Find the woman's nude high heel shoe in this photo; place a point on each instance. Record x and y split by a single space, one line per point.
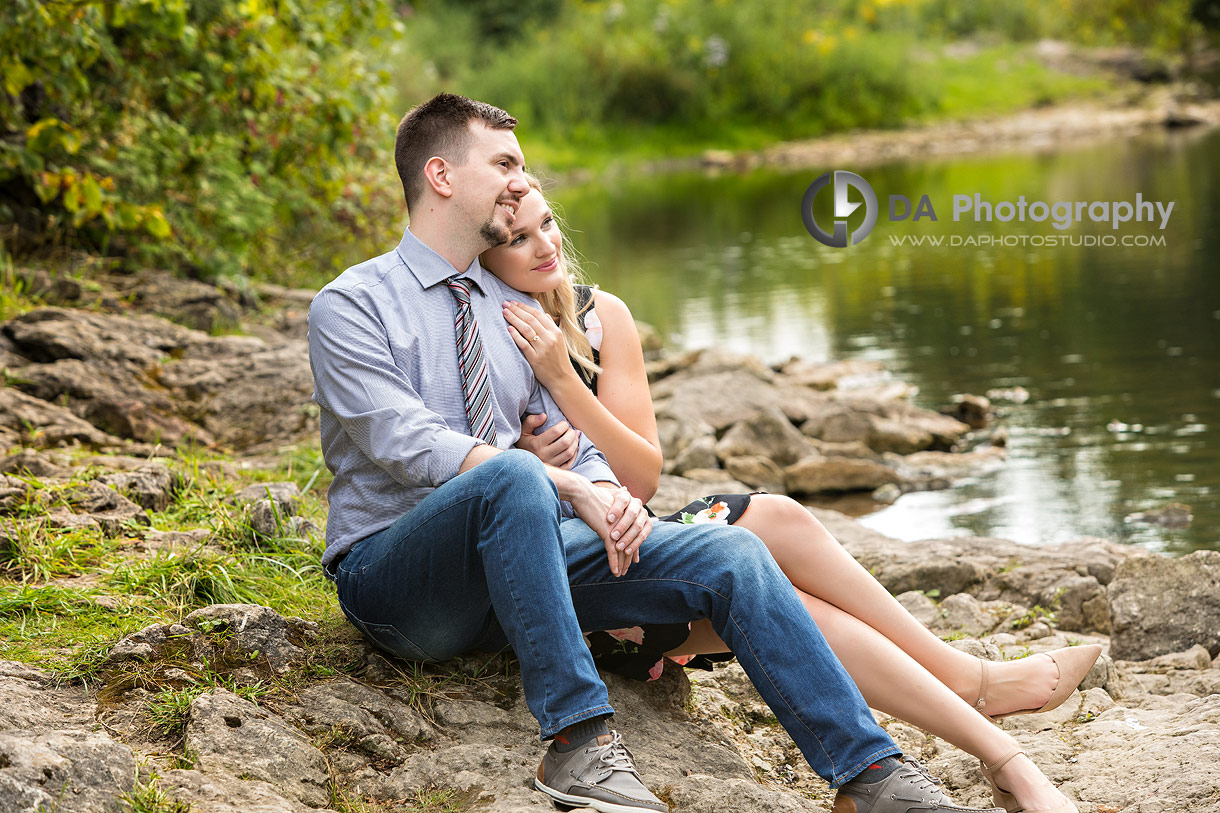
1073 663
1004 799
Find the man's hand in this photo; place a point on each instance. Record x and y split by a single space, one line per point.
618 518
557 446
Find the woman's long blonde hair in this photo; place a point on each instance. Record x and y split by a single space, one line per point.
560 303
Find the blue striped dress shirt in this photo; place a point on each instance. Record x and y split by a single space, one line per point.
393 418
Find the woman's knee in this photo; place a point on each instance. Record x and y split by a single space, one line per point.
774 517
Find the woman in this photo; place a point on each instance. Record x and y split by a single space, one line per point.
592 364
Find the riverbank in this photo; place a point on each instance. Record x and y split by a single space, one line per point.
161 514
1071 123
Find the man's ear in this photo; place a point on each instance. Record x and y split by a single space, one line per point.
437 174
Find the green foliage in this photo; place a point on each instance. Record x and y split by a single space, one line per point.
1032 615
188 131
655 79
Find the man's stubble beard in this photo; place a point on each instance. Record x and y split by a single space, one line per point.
494 233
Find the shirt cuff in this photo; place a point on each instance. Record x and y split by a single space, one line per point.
449 451
596 469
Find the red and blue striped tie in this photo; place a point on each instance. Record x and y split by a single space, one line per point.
476 386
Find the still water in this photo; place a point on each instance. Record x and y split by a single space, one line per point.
1117 346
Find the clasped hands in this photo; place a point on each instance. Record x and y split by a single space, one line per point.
618 518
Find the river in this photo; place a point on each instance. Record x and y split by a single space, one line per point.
1117 346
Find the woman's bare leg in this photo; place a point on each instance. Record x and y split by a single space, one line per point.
819 566
896 684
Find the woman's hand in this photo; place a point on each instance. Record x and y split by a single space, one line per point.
618 518
541 342
556 446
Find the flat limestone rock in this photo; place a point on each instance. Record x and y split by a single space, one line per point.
228 735
72 771
217 793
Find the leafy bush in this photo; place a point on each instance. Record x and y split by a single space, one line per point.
184 129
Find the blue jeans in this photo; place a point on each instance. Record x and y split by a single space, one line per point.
486 560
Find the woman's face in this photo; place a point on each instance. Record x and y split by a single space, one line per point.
530 260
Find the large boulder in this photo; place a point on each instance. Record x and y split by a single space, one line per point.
1160 605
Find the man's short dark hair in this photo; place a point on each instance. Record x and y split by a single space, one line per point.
439 126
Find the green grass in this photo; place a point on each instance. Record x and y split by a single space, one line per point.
147 797
67 595
990 81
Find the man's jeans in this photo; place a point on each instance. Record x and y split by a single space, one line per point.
486 559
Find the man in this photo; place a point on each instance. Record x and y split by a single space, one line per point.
440 541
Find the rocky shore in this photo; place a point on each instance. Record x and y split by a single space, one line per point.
240 707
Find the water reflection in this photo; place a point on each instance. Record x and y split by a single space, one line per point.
1117 347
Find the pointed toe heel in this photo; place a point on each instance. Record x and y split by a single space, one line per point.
1073 663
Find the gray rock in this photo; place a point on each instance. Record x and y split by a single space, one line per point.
726 398
972 410
38 464
830 375
287 494
818 475
678 433
107 507
257 638
676 492
759 473
363 718
769 434
218 793
1172 515
30 701
252 631
71 771
1160 605
26 419
1151 759
1197 657
248 400
932 470
920 606
115 395
963 612
151 486
48 334
699 453
887 494
228 735
188 302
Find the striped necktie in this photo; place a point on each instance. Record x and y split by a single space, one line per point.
476 386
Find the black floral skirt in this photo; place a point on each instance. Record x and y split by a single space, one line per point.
639 652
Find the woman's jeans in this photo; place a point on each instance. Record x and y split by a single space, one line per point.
486 559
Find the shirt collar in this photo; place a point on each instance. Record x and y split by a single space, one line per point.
431 268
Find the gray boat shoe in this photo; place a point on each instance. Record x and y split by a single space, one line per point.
909 789
601 775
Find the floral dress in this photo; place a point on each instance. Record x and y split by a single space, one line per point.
639 652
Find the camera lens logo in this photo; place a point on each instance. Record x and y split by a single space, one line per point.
843 181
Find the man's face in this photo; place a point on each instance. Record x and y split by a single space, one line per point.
488 187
